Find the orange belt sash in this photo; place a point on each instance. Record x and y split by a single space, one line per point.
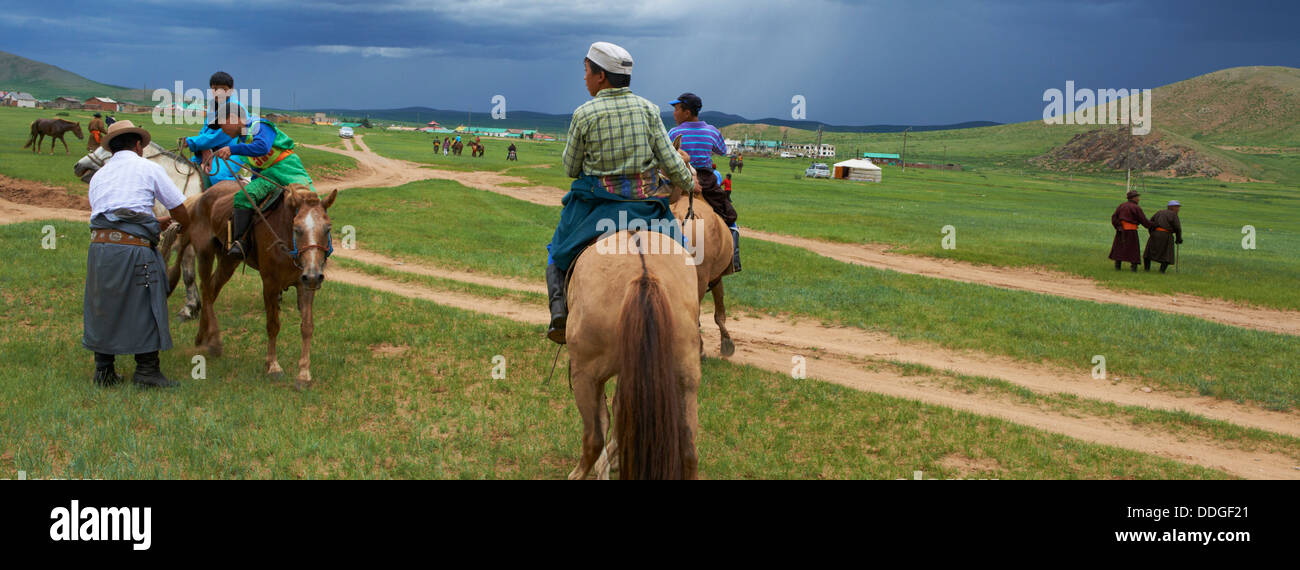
1162 230
1128 225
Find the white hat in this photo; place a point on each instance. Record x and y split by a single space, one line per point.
611 58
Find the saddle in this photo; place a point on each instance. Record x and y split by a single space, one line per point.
272 202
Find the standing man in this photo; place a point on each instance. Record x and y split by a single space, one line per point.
1126 219
701 141
616 142
97 130
726 186
740 163
125 310
1167 233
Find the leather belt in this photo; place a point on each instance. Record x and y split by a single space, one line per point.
117 237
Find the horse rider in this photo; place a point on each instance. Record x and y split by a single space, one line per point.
271 157
616 143
125 306
97 130
701 141
1126 219
1168 232
511 153
211 136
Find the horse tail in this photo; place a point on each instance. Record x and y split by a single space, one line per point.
165 243
33 137
653 438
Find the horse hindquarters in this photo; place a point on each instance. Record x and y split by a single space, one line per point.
654 438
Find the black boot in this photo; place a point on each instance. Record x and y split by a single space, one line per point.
1146 264
735 255
1135 268
148 373
239 226
1163 266
105 372
559 308
1118 265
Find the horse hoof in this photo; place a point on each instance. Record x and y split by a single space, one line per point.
728 347
276 375
214 351
301 386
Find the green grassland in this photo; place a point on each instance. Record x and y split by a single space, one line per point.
445 224
19 162
410 395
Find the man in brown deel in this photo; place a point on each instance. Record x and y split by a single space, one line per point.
1167 233
1126 219
97 131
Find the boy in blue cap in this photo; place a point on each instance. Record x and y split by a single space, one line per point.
212 137
701 141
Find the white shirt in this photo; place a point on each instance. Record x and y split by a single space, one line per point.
130 181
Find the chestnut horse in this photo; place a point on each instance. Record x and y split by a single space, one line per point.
55 129
633 311
300 222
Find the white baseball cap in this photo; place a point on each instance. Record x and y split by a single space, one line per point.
610 57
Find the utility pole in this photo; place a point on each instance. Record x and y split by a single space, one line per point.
904 160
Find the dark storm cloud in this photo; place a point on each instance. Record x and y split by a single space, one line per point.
855 62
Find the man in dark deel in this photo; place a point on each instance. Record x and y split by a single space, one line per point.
125 309
1126 219
1167 233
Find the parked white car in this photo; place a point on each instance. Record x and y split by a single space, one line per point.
818 170
787 155
345 132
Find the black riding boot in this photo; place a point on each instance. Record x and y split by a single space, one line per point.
559 308
1146 264
1118 265
105 372
148 372
1163 266
1135 268
735 254
239 226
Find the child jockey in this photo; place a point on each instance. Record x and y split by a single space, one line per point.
270 155
211 137
701 141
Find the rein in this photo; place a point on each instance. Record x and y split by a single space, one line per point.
292 253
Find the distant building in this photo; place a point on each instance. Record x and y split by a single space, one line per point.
20 99
883 158
277 117
133 108
299 120
323 118
100 104
857 169
65 103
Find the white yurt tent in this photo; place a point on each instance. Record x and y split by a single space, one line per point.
857 169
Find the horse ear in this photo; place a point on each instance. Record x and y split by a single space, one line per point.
329 200
291 198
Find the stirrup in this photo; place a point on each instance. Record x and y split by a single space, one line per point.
236 250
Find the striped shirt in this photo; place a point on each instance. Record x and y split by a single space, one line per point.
700 140
620 134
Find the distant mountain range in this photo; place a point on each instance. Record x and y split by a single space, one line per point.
559 123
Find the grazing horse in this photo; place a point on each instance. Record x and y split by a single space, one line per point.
191 182
299 221
633 312
55 129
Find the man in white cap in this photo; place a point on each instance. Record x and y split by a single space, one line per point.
125 310
616 144
1167 232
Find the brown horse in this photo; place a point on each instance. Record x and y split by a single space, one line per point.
300 222
476 150
633 312
55 129
456 147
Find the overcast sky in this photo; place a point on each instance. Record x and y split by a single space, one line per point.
915 62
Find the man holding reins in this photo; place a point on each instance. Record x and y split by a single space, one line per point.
125 309
616 145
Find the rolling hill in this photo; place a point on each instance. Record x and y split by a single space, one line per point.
45 81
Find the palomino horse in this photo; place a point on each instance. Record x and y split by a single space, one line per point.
191 183
633 312
55 129
299 221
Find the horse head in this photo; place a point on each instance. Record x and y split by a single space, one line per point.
91 163
76 130
311 232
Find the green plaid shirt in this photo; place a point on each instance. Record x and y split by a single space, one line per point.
619 133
